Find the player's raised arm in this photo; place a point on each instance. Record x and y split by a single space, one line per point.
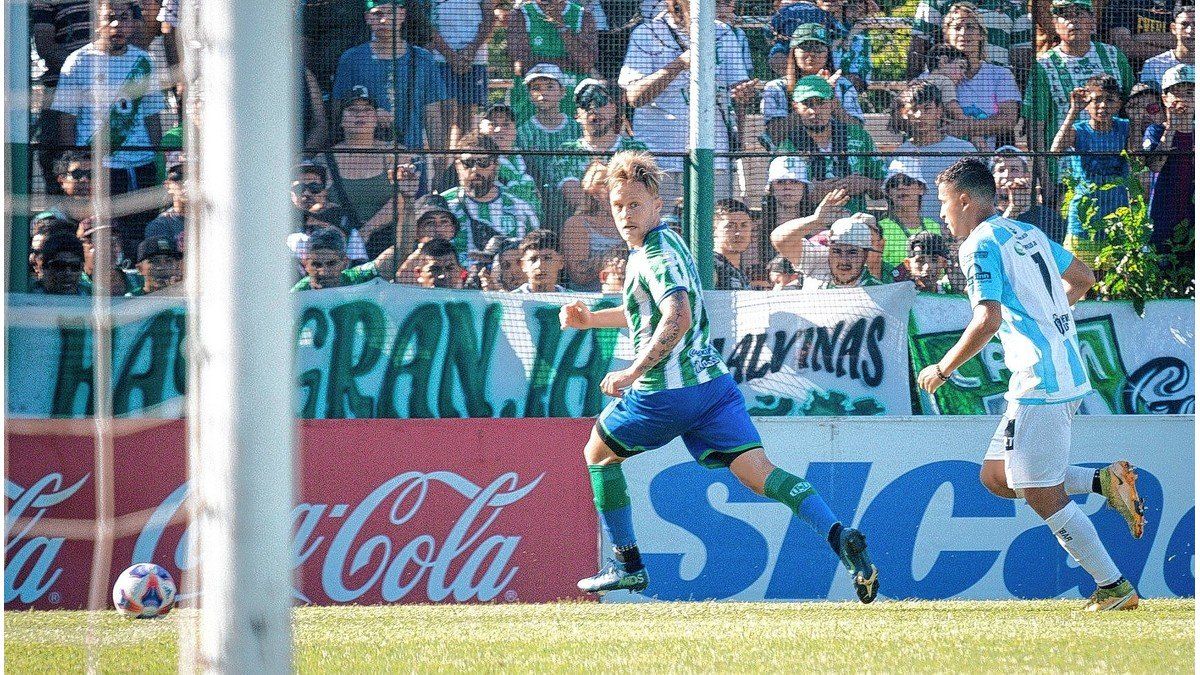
578 315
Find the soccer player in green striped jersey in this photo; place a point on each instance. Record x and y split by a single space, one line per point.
677 386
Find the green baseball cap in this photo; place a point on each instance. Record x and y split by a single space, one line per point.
1060 5
809 32
811 86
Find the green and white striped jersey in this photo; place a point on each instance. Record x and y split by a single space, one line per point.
506 215
661 266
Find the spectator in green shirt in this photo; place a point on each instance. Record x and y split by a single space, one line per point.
904 194
326 263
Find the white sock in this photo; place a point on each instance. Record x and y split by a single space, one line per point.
1079 480
1077 534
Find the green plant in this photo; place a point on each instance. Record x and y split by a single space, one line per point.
1128 266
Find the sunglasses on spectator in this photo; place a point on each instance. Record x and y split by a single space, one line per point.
480 163
308 188
812 46
80 174
175 174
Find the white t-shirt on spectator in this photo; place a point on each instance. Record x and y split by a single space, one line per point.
776 102
663 124
129 94
458 22
990 87
1156 66
927 168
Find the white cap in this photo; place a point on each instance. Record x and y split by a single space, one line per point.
854 230
787 168
1178 74
895 170
544 70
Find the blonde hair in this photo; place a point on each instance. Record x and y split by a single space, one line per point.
637 166
969 12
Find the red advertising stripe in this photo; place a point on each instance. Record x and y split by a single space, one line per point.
389 510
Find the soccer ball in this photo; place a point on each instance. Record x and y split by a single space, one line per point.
144 591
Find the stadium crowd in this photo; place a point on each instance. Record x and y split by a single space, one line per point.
462 143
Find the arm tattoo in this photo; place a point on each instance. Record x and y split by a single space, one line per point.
667 334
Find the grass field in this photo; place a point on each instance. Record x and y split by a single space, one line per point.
1039 636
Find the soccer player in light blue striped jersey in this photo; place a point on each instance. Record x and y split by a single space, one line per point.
1023 285
677 386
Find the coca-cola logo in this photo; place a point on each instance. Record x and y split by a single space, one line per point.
470 562
30 571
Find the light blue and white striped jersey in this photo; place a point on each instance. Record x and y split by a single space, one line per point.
1016 265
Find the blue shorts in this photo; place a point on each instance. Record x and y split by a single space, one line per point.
711 418
470 87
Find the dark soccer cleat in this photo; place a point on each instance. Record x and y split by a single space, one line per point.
852 549
614 578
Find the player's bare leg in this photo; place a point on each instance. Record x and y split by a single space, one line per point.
1117 482
625 570
761 475
1077 535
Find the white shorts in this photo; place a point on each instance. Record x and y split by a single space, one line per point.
1035 443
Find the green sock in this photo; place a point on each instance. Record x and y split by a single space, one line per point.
801 498
611 496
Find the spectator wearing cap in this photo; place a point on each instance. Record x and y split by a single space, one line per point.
459 38
1173 146
362 179
733 230
49 226
808 57
1183 29
591 231
60 264
904 195
159 262
840 152
783 24
481 206
1142 108
804 240
1015 196
655 78
1066 67
1141 29
787 191
612 272
400 78
917 113
87 233
551 32
549 127
542 263
1097 175
598 110
782 274
123 78
1005 31
849 244
73 175
499 124
327 266
170 223
433 218
926 265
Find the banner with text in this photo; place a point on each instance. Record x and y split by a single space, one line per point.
1137 364
912 486
385 351
387 510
